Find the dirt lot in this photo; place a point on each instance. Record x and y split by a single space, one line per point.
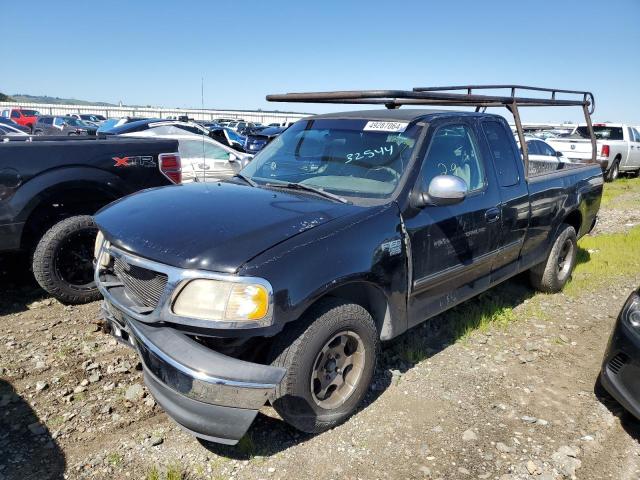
501 387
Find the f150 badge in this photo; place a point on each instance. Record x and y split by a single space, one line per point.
137 161
394 247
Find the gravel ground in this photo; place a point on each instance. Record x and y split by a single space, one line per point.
511 401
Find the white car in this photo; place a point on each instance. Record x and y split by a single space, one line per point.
540 150
203 159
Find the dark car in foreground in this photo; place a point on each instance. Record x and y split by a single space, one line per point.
50 187
62 125
620 374
348 229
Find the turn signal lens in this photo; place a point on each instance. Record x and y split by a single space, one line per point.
249 302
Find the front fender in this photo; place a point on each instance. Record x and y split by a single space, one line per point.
366 248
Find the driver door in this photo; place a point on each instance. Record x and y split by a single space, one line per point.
452 247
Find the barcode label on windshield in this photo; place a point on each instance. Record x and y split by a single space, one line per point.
386 126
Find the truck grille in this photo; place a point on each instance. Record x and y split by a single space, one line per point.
141 285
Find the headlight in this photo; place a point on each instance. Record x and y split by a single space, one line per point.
96 248
106 258
631 311
222 301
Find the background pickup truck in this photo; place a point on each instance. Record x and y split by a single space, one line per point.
618 147
50 187
349 229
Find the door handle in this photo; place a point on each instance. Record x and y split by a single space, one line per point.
492 215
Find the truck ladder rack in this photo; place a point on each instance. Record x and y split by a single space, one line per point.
451 97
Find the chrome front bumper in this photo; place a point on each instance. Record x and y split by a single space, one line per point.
211 395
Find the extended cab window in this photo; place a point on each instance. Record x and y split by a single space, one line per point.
504 156
454 151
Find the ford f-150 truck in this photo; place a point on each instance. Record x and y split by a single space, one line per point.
618 147
50 187
348 229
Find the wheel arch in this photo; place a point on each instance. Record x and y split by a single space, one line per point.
368 296
574 218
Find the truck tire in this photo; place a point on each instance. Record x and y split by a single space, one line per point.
330 357
613 172
551 276
63 260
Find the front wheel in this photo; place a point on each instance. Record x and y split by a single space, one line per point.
552 275
330 357
63 260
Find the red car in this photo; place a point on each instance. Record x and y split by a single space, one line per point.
21 116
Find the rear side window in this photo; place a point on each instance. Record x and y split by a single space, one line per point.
502 151
546 150
602 132
532 147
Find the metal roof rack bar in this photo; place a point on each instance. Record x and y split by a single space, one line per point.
451 96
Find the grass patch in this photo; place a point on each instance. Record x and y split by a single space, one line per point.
115 459
153 474
619 187
488 310
173 472
64 352
605 257
55 421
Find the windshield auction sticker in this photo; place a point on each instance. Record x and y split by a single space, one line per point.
386 126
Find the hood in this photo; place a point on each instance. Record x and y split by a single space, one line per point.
212 226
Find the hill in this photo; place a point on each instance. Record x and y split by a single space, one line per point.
20 97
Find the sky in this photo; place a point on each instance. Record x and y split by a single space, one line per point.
160 53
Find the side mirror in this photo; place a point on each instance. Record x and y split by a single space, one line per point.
444 190
559 154
233 158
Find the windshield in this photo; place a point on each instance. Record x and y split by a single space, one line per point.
601 132
357 158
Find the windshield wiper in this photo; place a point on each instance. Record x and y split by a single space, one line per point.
246 179
308 188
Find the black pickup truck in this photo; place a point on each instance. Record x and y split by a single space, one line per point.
50 187
348 229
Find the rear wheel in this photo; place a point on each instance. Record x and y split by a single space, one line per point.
552 275
63 260
329 358
613 172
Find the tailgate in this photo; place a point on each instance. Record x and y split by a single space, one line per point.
574 148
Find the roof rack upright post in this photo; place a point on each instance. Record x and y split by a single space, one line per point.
513 108
592 135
